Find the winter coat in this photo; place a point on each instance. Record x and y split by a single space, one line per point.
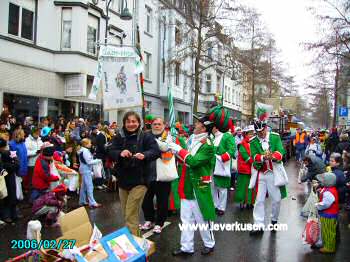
314 168
86 160
11 165
314 149
22 155
42 176
340 183
332 142
33 146
132 172
245 161
101 141
48 199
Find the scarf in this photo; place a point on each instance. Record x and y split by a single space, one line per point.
195 140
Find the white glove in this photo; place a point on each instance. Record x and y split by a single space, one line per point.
174 147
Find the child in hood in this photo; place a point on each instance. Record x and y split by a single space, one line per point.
50 205
328 209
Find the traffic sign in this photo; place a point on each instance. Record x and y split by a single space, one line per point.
343 111
342 121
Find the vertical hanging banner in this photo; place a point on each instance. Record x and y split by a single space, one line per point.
118 69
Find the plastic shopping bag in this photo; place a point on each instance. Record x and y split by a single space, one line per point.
309 209
98 170
166 167
73 183
3 188
312 230
19 192
279 174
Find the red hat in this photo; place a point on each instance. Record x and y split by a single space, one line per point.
57 156
61 188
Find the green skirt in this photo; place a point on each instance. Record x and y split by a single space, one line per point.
243 194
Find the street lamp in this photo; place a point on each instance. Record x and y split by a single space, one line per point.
125 14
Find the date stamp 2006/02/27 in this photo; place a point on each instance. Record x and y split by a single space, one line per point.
46 244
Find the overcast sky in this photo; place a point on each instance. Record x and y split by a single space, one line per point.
291 24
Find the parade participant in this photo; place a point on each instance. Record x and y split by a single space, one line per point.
328 209
43 175
299 143
265 148
197 206
133 150
85 170
148 122
244 195
239 136
50 205
158 188
225 149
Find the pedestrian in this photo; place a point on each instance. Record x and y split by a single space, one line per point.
314 166
197 206
133 150
335 162
244 195
299 143
33 144
10 163
43 174
314 148
328 209
49 206
266 148
344 144
86 171
160 189
17 144
225 150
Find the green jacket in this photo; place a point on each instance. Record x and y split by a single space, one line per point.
275 146
193 182
227 150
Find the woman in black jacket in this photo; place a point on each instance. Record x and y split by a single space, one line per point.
133 150
9 163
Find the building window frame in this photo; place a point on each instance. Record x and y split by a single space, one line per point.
208 83
177 73
149 20
148 65
92 49
19 23
68 23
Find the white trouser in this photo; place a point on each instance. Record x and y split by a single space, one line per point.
266 184
190 214
219 197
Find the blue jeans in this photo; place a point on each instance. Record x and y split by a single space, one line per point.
87 189
299 154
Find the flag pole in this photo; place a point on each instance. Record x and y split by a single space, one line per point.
142 80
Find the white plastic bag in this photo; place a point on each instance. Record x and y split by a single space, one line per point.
54 171
222 168
19 192
98 170
3 188
253 177
73 182
279 174
309 209
166 169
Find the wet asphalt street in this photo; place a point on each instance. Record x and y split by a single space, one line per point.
230 246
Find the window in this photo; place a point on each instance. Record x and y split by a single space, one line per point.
148 19
66 34
148 58
178 38
218 84
163 70
92 34
148 106
219 52
21 22
177 74
208 83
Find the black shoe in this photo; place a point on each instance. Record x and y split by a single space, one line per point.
207 251
256 232
273 223
314 247
220 213
181 253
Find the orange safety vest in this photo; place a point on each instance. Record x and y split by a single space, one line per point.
298 138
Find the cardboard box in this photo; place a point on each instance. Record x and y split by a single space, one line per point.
76 225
